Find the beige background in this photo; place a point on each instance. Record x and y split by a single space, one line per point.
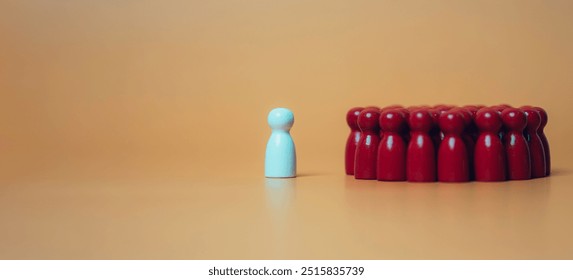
137 129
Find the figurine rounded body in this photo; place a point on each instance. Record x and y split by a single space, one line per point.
367 147
280 157
352 140
452 154
489 155
543 138
421 154
391 157
516 148
536 151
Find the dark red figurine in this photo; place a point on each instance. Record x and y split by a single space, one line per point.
452 154
489 155
392 148
516 148
353 139
467 137
536 151
543 138
404 131
367 147
435 132
440 109
421 153
472 130
389 107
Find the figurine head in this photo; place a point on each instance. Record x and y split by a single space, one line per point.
281 119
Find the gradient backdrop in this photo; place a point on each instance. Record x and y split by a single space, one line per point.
95 94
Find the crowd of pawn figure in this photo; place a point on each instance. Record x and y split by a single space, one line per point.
447 143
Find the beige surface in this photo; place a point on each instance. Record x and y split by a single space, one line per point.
136 129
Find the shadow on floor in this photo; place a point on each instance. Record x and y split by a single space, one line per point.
560 172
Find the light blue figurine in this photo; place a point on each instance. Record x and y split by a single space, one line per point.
280 158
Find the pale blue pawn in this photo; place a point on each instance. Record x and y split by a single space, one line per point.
280 158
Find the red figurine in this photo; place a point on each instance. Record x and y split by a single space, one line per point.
516 148
452 154
499 108
536 151
392 148
404 131
389 107
435 132
353 139
472 130
543 138
367 147
421 153
467 137
442 109
489 156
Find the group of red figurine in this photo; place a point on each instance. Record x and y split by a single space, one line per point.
447 143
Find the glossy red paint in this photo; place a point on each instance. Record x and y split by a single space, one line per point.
469 124
391 164
367 147
353 139
472 130
389 107
404 130
536 151
435 132
452 154
489 155
421 152
516 148
543 138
